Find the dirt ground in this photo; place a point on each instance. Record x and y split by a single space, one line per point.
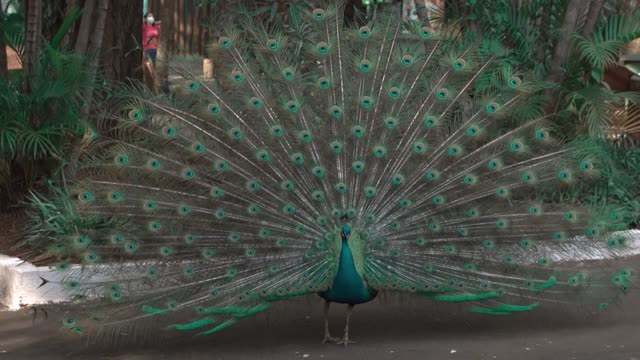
415 329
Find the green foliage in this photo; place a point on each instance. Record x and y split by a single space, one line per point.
36 126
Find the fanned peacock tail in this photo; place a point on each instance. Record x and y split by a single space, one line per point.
229 196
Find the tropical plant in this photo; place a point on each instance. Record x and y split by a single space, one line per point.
37 126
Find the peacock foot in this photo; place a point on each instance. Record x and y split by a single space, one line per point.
328 338
345 340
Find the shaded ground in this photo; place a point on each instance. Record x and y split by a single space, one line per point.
418 329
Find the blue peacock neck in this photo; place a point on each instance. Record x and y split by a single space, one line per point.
348 286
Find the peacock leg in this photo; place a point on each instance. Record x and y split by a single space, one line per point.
345 339
327 336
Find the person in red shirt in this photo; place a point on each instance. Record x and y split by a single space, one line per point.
150 31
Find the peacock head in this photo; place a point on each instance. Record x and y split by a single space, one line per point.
345 232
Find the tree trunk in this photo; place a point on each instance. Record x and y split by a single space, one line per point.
592 17
164 45
33 18
4 68
121 55
82 41
562 48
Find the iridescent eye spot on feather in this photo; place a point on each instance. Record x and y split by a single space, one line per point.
470 179
116 239
502 224
213 108
542 135
336 146
560 236
459 64
115 196
190 239
536 210
277 130
317 195
351 213
336 112
425 32
155 226
250 252
253 209
391 122
473 130
288 73
370 191
192 85
150 205
263 155
323 82
526 244
135 115
322 221
432 175
394 92
431 121
492 107
292 106
322 47
514 82
420 241
272 44
85 196
169 131
488 244
438 200
379 151
364 32
165 251
365 65
516 146
233 237
358 166
153 164
220 214
398 179
357 131
495 164
419 147
221 165
442 94
225 42
287 185
197 147
570 215
255 102
130 247
121 160
184 209
252 185
288 209
318 14
318 171
565 175
593 231
473 213
502 191
235 133
237 76
586 166
454 150
370 218
528 177
297 158
188 173
341 187
366 102
407 60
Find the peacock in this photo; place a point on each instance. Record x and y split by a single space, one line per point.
382 157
